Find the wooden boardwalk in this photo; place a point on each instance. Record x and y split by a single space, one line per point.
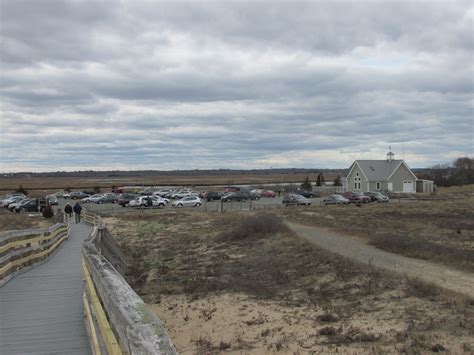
41 309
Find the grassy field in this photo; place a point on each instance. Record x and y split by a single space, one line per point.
15 221
243 283
60 183
440 231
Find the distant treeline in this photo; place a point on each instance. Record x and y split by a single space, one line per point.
459 172
195 172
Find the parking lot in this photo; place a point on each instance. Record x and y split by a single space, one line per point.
263 203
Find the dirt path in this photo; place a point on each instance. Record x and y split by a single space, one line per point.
356 249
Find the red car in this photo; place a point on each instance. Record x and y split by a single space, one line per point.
355 197
268 193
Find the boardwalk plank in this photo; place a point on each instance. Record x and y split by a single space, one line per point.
41 310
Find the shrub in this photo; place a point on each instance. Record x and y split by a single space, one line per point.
306 185
22 190
48 212
423 289
255 227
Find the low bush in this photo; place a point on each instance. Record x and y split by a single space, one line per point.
423 289
254 227
48 212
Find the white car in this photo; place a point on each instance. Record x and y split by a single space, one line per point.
181 194
162 192
14 205
189 201
161 199
93 198
12 199
142 201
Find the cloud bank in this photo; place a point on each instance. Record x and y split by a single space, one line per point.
189 85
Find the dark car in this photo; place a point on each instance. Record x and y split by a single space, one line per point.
124 199
238 196
77 195
377 196
295 199
30 205
304 193
212 195
107 198
355 197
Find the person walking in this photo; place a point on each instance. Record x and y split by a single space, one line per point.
68 211
77 212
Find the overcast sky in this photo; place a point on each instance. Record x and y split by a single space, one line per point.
195 85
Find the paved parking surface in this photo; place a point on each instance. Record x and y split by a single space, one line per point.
263 203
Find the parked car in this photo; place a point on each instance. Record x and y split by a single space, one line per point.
169 194
377 196
30 205
295 199
52 200
92 198
335 200
268 193
212 195
183 193
124 199
6 199
144 201
355 197
76 195
304 193
12 206
190 201
107 198
256 191
238 196
6 202
163 192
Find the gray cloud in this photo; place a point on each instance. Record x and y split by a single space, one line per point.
88 84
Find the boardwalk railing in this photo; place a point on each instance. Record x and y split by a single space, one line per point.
23 249
117 319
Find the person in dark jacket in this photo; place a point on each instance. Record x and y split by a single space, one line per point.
68 212
77 212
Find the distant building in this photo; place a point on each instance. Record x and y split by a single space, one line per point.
389 175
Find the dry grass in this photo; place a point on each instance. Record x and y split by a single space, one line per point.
298 298
15 221
59 183
440 231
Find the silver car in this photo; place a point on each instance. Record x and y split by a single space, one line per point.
93 198
190 201
335 200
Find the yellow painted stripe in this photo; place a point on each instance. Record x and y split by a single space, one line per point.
110 341
17 262
90 321
16 243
